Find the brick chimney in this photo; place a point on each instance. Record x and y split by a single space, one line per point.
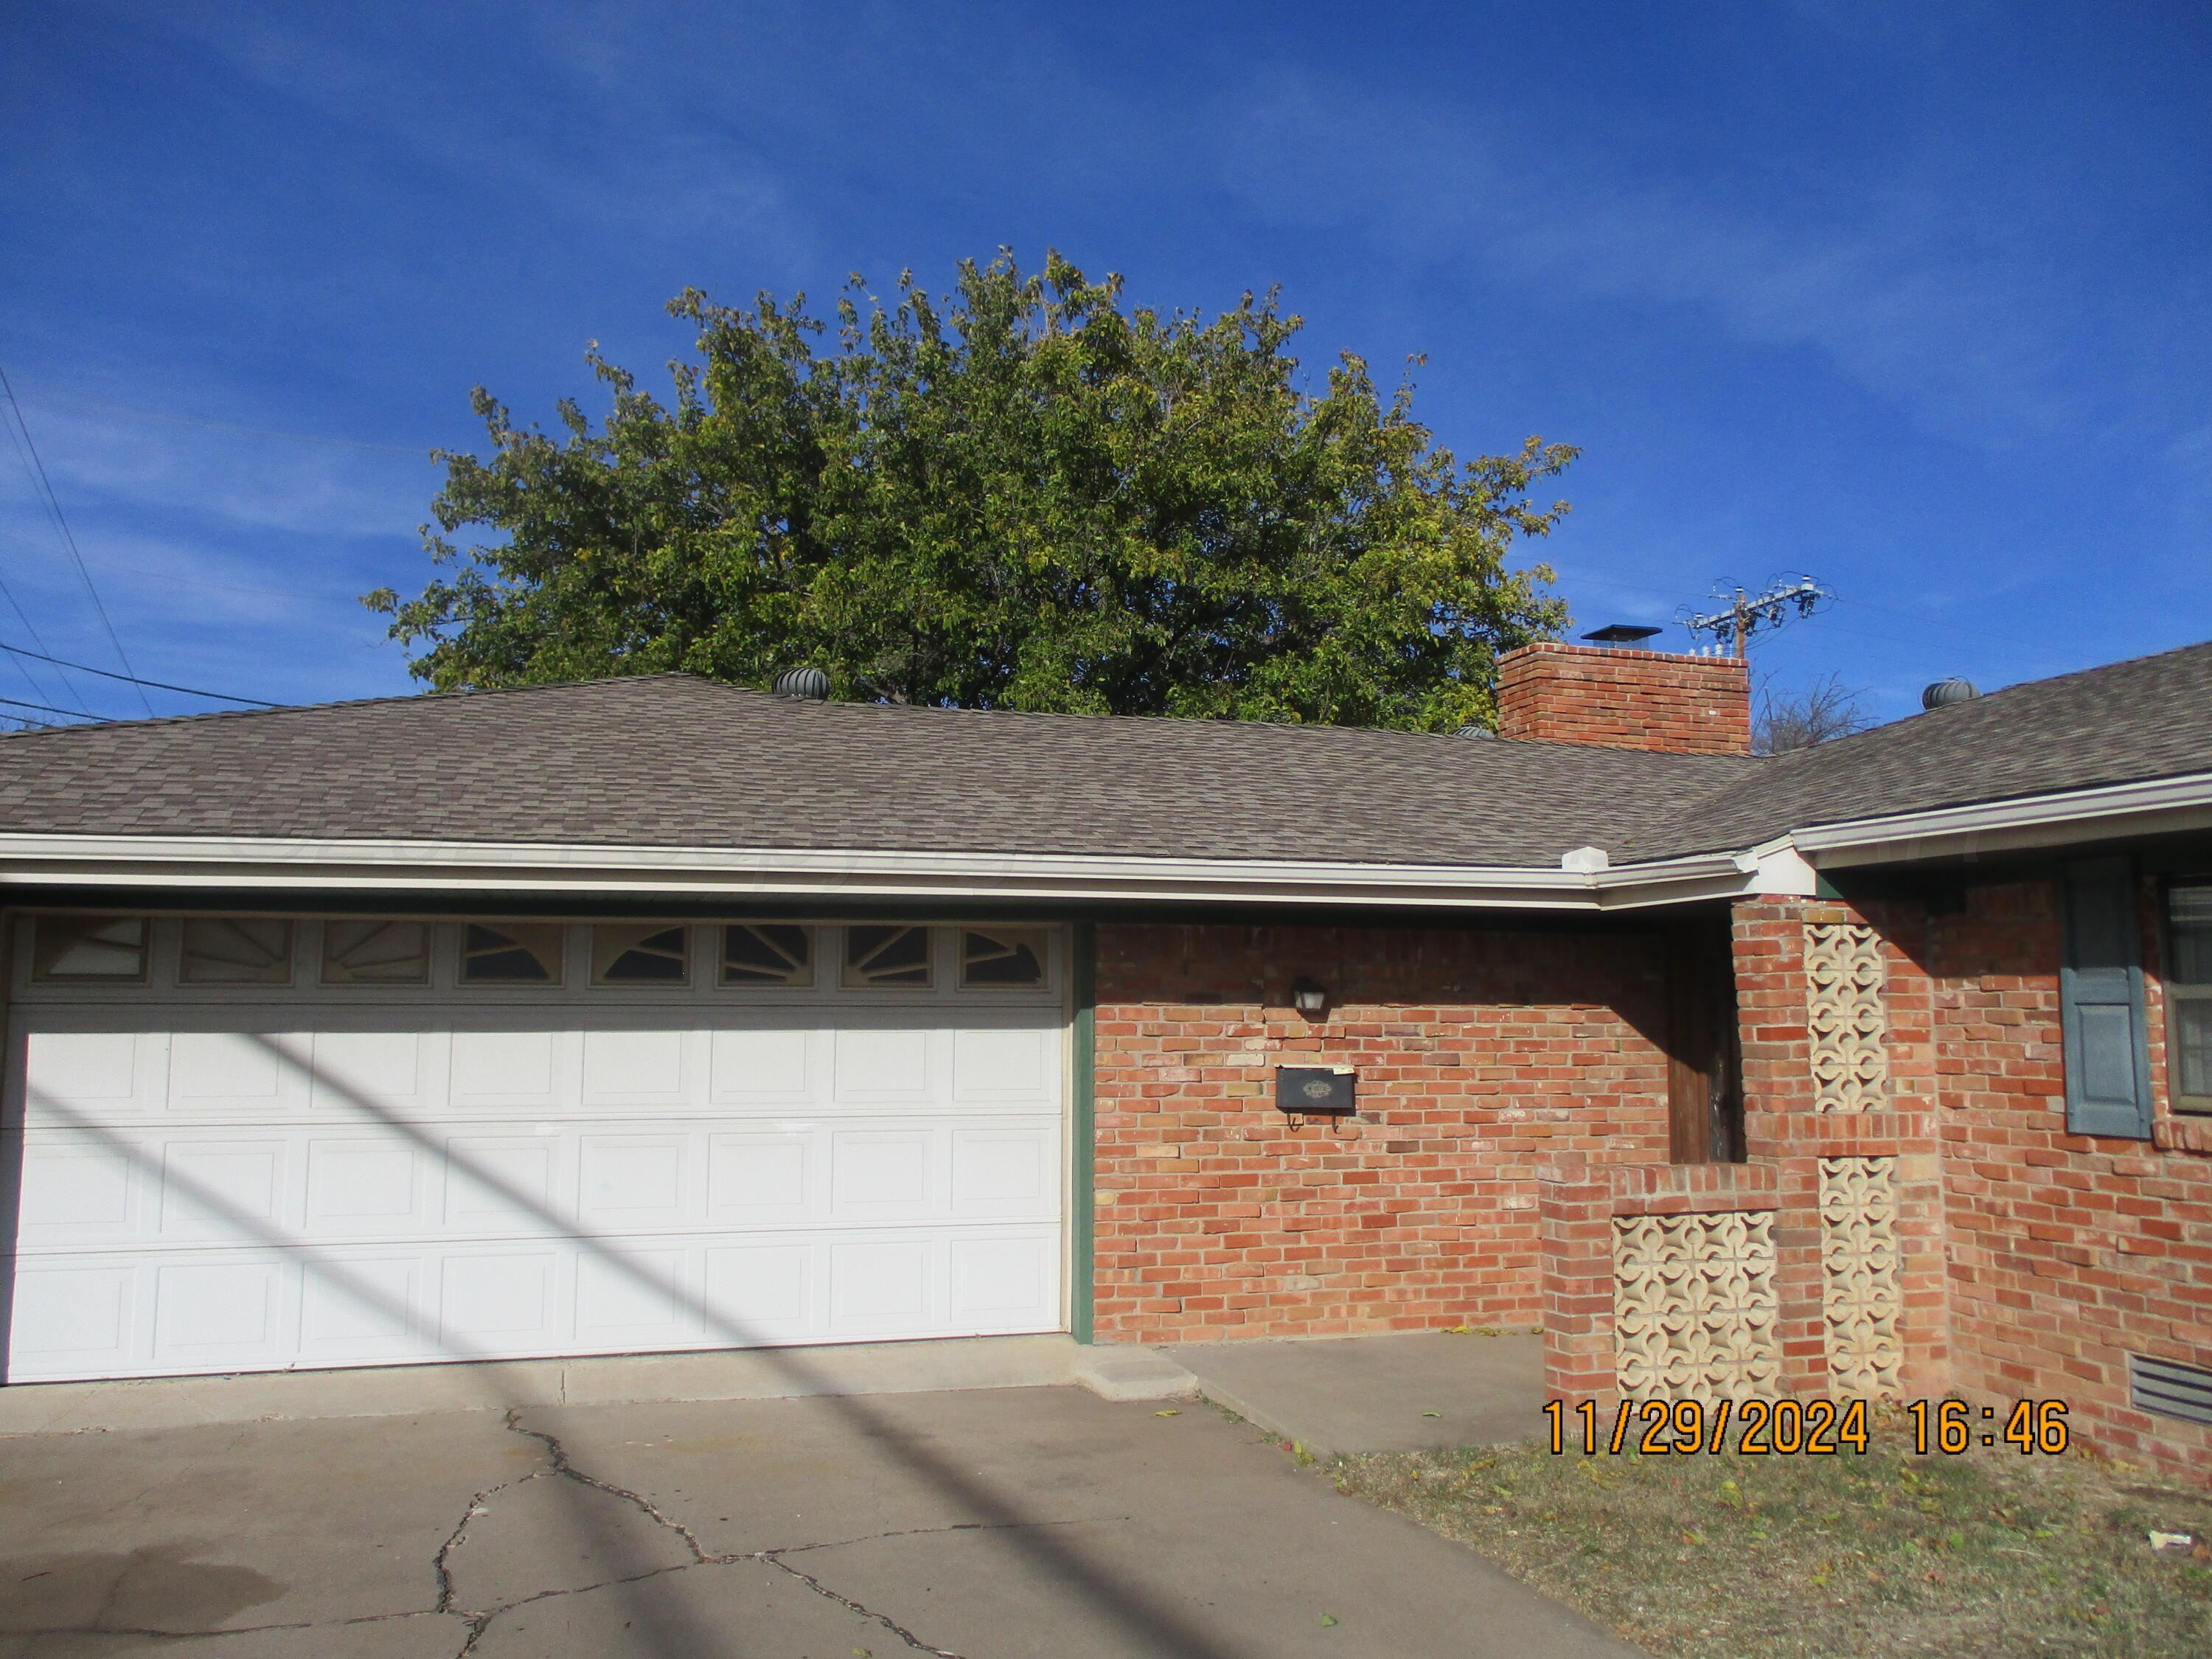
1625 699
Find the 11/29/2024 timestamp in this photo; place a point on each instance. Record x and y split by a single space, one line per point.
1794 1428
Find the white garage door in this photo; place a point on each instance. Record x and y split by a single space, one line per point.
251 1144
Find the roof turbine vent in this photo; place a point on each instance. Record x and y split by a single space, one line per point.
803 684
1944 693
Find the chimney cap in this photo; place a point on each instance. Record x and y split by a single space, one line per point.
1628 633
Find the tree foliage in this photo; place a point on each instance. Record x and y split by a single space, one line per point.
1819 713
1023 496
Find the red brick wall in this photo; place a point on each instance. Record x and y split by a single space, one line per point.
1481 1054
1782 1126
1625 699
2066 1251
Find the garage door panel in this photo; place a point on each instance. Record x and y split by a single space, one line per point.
761 1180
633 1181
357 1309
872 1067
219 1313
376 1074
73 1321
78 1076
234 1074
498 1302
1006 1172
633 1298
1004 1283
503 1184
883 1286
325 1176
1019 1065
76 1189
761 1293
509 1071
780 1067
883 1175
630 1067
367 1184
221 1186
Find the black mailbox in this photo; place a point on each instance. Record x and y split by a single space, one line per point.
1322 1090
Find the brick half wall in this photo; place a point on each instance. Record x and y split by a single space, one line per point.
1481 1054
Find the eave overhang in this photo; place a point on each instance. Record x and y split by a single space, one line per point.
33 865
2159 806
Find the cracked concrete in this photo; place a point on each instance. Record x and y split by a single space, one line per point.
975 1525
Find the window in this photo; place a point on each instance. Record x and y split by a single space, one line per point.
630 954
1001 957
767 953
236 951
512 953
91 948
2189 995
876 956
376 953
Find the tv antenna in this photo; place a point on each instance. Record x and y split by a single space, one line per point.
1737 615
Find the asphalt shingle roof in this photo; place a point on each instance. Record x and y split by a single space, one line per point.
673 760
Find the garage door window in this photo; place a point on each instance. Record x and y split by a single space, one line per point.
767 953
90 948
512 953
628 954
376 953
1001 958
876 957
240 950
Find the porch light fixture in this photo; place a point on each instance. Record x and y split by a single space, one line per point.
1310 998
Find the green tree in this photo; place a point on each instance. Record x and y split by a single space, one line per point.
1022 496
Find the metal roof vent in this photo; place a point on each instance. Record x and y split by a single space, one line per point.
1472 730
2170 1388
803 684
1944 693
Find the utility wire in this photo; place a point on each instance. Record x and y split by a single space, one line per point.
68 540
17 702
25 618
158 685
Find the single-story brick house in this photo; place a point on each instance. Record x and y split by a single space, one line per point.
654 1014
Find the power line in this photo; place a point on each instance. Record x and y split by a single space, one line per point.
47 708
158 685
25 618
68 540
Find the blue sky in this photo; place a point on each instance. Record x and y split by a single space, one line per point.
1917 299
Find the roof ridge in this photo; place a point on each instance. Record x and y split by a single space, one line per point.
428 697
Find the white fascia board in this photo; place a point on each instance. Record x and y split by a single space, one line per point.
29 864
2160 806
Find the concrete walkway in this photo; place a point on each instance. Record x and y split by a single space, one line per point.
980 1524
1397 1393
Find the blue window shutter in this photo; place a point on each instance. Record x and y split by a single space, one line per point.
2100 990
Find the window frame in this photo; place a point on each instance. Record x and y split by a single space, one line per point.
557 980
646 932
39 978
2174 994
932 982
290 957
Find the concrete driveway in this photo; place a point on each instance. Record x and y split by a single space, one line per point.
986 1523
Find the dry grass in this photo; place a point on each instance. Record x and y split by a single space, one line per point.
1725 1557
